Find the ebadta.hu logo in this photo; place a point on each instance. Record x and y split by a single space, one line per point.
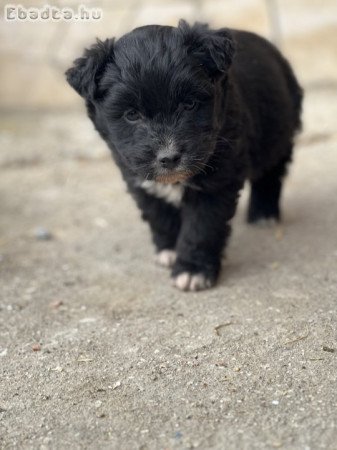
51 13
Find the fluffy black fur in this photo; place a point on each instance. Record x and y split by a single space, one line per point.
199 108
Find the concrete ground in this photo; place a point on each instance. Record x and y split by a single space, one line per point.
98 351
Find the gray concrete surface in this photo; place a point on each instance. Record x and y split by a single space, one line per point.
98 351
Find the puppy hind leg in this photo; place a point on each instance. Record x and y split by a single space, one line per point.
264 203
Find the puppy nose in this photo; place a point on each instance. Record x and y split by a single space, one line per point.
169 161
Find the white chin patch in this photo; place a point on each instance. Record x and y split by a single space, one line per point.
191 282
166 258
170 193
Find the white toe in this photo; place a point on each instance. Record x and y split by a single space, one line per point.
182 281
166 258
188 282
199 282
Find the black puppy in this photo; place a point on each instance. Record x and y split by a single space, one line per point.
189 113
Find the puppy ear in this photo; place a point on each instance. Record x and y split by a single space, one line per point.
86 72
214 49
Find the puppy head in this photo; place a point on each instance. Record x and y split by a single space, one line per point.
155 96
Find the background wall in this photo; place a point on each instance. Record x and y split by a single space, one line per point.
34 55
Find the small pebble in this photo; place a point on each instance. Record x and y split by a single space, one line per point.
43 234
36 347
116 385
56 304
3 352
328 349
178 435
221 364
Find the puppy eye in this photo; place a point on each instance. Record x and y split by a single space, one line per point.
189 105
132 115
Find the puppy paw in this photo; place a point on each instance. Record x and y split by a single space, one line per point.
265 222
166 258
263 214
192 282
194 276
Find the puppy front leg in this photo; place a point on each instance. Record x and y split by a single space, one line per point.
204 232
164 220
